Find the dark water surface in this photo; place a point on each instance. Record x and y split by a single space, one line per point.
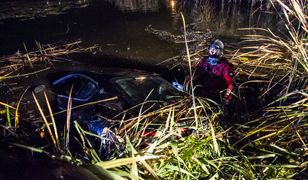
118 26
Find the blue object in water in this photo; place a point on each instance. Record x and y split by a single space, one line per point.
96 127
178 86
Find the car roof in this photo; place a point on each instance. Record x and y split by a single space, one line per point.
90 70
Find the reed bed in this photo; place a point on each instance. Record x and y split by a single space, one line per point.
12 65
275 54
143 155
44 53
285 122
273 144
181 112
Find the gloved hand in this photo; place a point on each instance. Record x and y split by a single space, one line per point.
227 96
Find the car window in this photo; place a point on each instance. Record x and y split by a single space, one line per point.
139 88
83 86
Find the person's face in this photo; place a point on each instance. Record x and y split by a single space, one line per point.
212 51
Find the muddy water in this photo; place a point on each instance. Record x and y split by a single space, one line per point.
117 27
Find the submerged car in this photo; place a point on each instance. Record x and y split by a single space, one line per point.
121 91
101 96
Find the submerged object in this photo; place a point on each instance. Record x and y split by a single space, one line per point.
98 99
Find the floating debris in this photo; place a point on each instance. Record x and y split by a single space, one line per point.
198 43
192 36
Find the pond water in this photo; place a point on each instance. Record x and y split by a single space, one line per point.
117 27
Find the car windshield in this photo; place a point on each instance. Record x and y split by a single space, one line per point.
83 86
155 88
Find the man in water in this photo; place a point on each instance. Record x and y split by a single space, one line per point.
214 75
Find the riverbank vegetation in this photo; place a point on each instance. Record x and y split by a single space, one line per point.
270 144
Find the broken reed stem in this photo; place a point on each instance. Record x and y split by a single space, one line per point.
52 118
68 120
45 121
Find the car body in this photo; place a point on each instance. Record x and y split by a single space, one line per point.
101 97
123 90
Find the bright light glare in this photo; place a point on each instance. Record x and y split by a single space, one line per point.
140 78
172 4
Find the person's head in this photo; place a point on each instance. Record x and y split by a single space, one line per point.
216 48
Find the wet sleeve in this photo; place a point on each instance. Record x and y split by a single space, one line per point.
228 76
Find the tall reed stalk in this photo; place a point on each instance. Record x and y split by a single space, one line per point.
277 54
190 72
